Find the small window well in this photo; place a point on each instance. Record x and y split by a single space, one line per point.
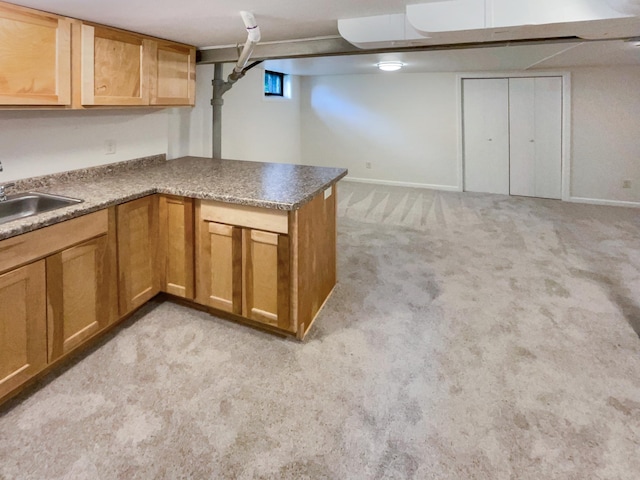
273 84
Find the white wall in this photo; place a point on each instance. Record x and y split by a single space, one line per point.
606 133
34 143
253 127
404 124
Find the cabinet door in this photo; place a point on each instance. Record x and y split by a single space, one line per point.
35 58
80 294
266 276
219 282
486 135
23 327
139 279
172 73
112 68
177 245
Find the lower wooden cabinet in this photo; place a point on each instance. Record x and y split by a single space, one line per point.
177 245
58 289
219 282
265 285
139 278
81 287
23 325
63 284
244 262
245 272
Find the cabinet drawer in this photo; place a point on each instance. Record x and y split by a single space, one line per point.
267 219
32 246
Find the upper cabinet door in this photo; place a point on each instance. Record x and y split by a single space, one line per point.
172 73
35 58
113 68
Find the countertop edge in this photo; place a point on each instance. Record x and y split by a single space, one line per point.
53 217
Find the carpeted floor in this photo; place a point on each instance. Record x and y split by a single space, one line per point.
471 336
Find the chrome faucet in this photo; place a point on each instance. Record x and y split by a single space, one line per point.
3 195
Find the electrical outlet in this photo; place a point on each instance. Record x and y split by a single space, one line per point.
626 184
109 147
367 165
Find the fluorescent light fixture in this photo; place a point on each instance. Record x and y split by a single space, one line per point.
390 66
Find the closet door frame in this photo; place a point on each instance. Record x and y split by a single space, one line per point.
566 121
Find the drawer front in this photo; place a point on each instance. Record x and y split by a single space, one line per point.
28 247
267 219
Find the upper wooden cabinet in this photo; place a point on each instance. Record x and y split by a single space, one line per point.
113 68
51 61
121 68
172 73
35 58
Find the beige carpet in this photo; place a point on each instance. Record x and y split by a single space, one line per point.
470 337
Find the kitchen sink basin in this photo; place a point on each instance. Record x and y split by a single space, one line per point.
27 204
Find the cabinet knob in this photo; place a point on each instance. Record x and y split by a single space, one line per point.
531 141
490 139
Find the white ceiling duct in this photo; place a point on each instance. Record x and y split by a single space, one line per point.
461 21
379 31
459 15
630 7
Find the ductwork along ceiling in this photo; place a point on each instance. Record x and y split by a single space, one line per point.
478 21
298 28
441 24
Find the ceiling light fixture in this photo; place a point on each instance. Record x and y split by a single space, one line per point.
390 66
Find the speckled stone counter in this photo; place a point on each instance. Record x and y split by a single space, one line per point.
268 185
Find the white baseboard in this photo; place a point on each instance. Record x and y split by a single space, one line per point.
598 201
446 188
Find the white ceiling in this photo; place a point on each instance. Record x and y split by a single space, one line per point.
206 23
217 22
515 57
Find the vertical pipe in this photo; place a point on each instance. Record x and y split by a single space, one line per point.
216 104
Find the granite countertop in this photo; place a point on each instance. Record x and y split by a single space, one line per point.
269 185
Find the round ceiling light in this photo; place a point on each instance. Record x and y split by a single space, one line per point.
390 66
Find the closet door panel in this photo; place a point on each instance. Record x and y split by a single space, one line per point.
522 127
548 127
535 121
486 135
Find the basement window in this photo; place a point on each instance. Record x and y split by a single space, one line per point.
273 84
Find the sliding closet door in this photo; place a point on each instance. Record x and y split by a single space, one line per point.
486 135
535 112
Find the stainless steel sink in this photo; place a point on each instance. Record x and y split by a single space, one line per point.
32 203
